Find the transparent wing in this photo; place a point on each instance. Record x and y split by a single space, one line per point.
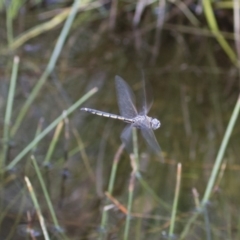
126 100
150 138
126 137
146 97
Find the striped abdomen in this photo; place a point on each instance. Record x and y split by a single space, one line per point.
109 115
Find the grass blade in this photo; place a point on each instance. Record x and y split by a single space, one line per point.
49 128
209 13
110 189
175 202
130 195
46 195
53 143
215 168
50 66
221 153
8 113
37 208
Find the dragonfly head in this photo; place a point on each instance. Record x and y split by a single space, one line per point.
155 124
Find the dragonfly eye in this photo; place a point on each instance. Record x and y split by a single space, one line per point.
155 123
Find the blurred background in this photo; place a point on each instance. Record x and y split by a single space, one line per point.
189 54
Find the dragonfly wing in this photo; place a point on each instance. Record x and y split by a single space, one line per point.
126 137
126 99
146 97
150 138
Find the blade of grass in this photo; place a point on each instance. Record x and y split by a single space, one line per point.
49 128
99 175
50 66
207 223
135 169
9 25
209 13
48 200
221 152
175 202
83 154
37 208
8 113
236 17
223 4
114 169
53 143
110 190
51 24
37 30
216 167
135 147
143 183
196 198
147 188
130 195
186 11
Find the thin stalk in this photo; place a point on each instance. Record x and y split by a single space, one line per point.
210 16
130 196
236 18
146 186
100 160
43 28
9 24
143 183
216 167
50 66
196 198
46 195
8 114
37 208
207 223
176 198
135 147
66 140
137 174
49 128
188 225
84 156
221 152
110 188
114 168
186 11
135 168
223 5
53 143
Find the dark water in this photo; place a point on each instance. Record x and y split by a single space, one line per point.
195 88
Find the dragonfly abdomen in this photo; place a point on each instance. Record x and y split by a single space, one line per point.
109 115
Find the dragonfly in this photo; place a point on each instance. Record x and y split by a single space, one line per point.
130 115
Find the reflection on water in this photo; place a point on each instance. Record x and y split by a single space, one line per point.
193 98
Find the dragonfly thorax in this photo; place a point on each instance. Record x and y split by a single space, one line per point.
155 124
141 121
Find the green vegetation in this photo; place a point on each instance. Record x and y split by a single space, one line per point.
65 174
